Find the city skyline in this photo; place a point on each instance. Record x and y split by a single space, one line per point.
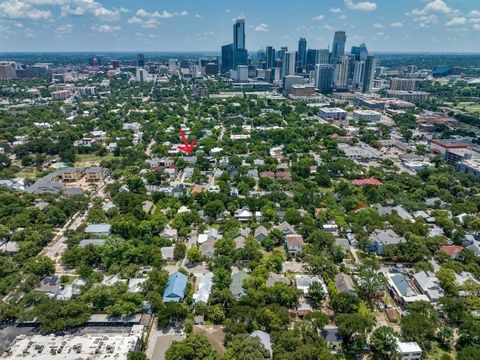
107 25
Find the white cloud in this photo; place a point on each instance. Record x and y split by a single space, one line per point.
378 26
397 24
426 21
474 13
22 10
327 27
435 6
198 16
363 5
319 17
335 10
91 7
476 26
64 29
456 21
151 20
104 28
239 17
342 17
261 28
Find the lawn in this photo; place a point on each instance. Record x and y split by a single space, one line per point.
469 107
84 160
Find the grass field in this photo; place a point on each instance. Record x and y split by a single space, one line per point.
84 160
469 107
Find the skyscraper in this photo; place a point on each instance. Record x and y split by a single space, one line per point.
140 60
239 34
360 52
240 54
370 64
342 71
282 51
358 74
270 57
312 58
227 58
324 78
323 56
288 63
338 47
301 54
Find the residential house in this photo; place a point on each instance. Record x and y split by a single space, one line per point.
71 174
265 340
294 244
453 251
239 242
204 288
136 285
167 252
428 284
207 248
303 282
409 350
381 238
274 278
175 289
243 215
236 286
100 230
169 234
286 228
92 242
147 206
344 283
402 291
283 175
260 233
94 174
333 338
399 210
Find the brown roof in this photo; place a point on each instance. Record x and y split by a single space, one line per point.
294 240
267 174
283 175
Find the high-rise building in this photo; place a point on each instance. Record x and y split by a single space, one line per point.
358 74
240 54
116 64
312 57
239 34
301 55
324 78
242 73
269 57
227 58
282 51
403 84
338 47
7 70
323 56
140 60
342 71
369 74
288 63
360 52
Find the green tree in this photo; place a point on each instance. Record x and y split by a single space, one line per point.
194 255
315 294
194 347
383 343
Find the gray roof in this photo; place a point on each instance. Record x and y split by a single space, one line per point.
429 285
167 252
94 242
402 285
264 339
98 228
344 283
387 237
387 210
274 278
236 287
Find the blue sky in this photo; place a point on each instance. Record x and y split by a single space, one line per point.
187 25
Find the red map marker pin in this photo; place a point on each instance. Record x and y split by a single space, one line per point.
186 148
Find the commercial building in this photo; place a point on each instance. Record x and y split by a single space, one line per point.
369 74
367 115
408 95
289 81
441 146
288 63
7 70
269 57
240 54
471 167
301 55
332 114
338 47
76 347
140 60
401 84
324 78
342 72
227 58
